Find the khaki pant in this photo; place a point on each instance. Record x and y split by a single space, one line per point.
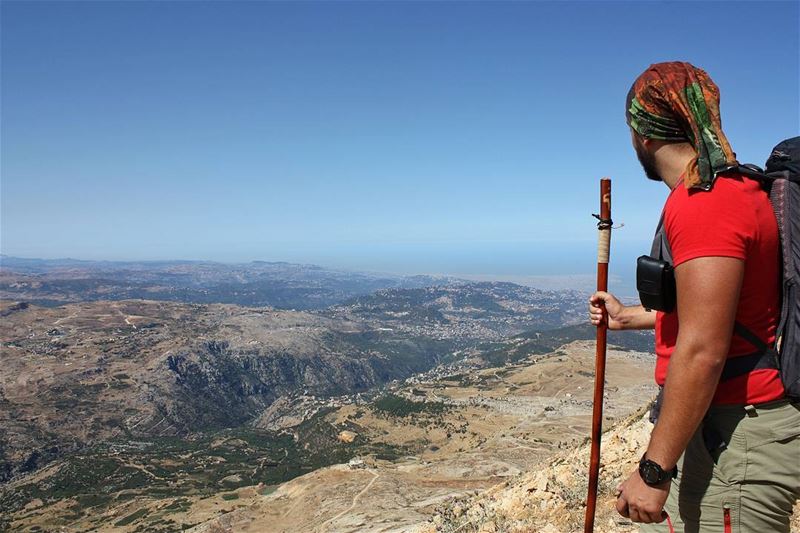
749 480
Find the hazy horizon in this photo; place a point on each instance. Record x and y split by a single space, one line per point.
540 274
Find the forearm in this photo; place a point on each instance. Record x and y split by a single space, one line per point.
637 317
707 295
689 388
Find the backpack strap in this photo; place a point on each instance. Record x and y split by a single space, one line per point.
757 173
660 248
750 337
764 357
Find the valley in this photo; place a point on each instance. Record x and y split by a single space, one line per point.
427 439
159 415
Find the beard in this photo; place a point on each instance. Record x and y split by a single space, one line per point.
648 161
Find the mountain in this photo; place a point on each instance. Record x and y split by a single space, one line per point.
260 283
83 373
106 405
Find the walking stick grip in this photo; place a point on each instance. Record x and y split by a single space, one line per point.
603 245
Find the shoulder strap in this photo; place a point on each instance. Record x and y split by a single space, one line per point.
660 248
757 173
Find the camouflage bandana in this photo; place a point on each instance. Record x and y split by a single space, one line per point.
679 102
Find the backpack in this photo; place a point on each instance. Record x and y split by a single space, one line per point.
782 173
781 179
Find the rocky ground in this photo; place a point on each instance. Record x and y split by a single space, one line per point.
551 499
501 424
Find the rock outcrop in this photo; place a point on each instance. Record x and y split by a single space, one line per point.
552 499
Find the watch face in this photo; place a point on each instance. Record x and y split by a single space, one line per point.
650 472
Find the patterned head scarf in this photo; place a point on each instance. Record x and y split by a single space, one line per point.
679 102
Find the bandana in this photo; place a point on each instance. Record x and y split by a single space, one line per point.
679 102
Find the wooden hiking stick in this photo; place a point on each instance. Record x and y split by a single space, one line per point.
603 247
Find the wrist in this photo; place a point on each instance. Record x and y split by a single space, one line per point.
655 474
623 317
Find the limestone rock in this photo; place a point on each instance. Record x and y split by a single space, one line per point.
347 436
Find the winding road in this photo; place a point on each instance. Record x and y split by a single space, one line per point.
322 527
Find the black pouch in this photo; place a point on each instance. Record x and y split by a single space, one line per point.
655 281
655 277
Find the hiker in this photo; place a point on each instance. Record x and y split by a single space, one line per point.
724 454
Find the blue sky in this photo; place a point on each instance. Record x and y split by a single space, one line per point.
457 137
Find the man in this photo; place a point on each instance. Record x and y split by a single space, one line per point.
724 456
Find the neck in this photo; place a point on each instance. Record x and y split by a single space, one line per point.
671 180
671 165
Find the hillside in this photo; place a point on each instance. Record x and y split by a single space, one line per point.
462 433
473 311
545 341
83 373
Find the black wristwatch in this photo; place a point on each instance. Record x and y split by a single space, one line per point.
652 473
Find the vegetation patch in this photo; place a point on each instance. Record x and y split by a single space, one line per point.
173 468
132 517
178 506
395 405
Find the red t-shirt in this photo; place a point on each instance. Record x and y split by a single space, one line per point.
734 219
